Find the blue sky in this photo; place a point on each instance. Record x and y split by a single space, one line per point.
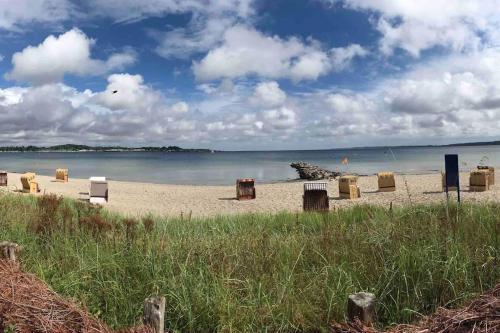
249 74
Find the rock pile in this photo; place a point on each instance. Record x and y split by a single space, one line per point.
313 172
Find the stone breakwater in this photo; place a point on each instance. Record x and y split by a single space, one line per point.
313 172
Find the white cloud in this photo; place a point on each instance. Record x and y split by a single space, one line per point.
415 26
126 91
133 10
68 53
17 13
30 112
225 87
246 52
179 108
57 113
201 34
281 119
216 126
342 56
268 95
454 98
438 95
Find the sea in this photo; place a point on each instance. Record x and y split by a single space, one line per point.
223 168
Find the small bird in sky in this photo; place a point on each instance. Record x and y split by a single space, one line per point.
115 91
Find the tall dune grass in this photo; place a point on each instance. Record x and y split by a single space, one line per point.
275 273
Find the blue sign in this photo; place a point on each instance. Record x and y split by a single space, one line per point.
452 173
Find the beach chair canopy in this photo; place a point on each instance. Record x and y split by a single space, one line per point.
315 186
97 179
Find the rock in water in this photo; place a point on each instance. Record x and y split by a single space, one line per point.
313 172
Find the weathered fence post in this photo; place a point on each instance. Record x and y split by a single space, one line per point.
361 306
154 313
9 250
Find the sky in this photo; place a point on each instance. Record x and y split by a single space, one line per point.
249 74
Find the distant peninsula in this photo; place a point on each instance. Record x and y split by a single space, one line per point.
484 143
85 148
461 144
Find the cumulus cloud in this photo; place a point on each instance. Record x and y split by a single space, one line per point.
56 56
453 98
59 113
126 91
179 108
246 52
342 56
209 19
439 95
268 95
415 26
282 118
448 98
27 113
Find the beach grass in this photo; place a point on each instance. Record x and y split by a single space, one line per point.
261 273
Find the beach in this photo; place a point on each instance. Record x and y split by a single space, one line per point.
139 199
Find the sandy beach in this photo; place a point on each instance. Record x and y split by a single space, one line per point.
138 199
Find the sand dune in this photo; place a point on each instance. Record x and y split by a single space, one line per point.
137 199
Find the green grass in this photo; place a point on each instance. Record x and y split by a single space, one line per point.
262 273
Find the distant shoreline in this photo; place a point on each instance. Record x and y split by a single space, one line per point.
72 148
109 151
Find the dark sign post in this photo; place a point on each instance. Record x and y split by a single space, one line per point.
452 174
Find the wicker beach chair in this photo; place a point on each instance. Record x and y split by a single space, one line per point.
3 178
386 182
491 176
29 184
348 187
62 175
315 197
245 189
98 191
479 181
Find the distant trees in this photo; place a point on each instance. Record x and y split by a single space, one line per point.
72 147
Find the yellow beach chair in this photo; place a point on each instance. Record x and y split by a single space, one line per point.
29 184
348 187
386 182
62 175
479 181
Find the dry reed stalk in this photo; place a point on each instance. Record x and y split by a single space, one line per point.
28 305
482 315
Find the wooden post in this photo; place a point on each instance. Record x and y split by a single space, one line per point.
361 306
9 250
154 313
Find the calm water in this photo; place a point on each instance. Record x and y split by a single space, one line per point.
225 167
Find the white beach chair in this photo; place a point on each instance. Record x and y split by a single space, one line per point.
98 190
